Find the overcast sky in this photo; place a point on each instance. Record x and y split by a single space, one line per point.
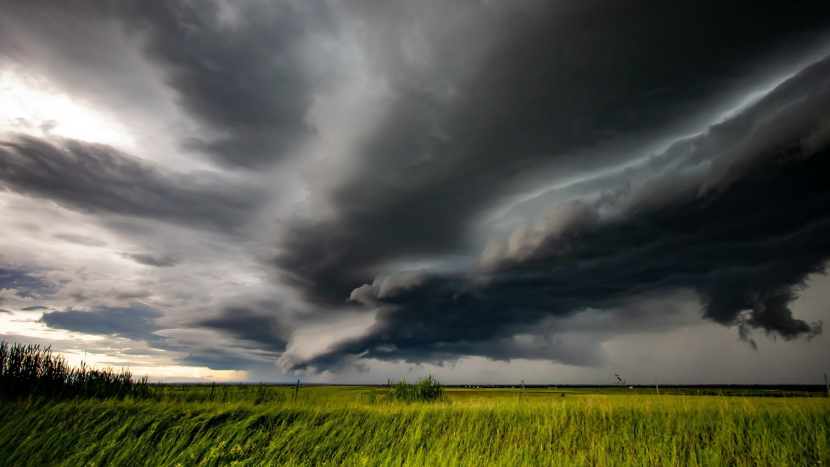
483 190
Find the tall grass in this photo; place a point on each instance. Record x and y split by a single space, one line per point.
33 371
426 389
589 431
225 392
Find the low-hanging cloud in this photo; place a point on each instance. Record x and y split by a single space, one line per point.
740 219
454 138
263 329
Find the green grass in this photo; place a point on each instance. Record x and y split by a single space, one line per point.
29 370
424 390
357 426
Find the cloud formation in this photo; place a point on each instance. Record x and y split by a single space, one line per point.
738 214
358 187
591 83
23 281
245 71
159 261
99 179
248 325
134 322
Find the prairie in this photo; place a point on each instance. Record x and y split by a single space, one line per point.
359 426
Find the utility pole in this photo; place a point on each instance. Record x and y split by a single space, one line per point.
296 389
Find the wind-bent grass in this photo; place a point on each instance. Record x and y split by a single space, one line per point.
591 430
426 389
52 414
32 371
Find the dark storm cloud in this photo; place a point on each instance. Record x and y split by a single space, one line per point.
159 261
34 308
247 71
560 81
746 252
135 322
740 214
99 179
259 337
248 325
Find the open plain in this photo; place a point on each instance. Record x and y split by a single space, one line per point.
249 425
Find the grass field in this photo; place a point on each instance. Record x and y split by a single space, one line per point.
356 426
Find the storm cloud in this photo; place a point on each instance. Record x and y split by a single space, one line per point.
354 187
243 323
243 70
736 213
745 267
592 82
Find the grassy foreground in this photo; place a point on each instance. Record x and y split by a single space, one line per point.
344 429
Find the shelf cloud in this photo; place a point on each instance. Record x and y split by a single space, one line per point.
354 189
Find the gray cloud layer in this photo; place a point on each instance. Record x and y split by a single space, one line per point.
243 70
25 282
737 214
134 322
246 72
465 172
152 260
96 178
564 82
243 323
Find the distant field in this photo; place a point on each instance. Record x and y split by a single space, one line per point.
356 426
368 394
